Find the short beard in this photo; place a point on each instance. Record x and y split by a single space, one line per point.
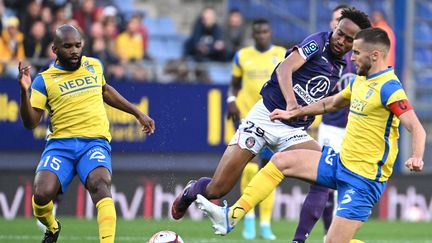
364 70
67 65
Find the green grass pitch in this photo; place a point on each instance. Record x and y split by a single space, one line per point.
139 231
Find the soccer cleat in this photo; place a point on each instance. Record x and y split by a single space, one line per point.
249 231
266 233
182 203
51 237
218 215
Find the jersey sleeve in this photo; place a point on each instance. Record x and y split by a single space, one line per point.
99 65
39 96
236 68
346 93
311 46
348 82
391 92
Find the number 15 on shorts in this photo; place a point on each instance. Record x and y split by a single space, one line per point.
53 162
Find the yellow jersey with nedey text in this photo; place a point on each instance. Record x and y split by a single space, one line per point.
370 145
73 99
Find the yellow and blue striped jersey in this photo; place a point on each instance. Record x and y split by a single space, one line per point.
74 100
254 68
370 145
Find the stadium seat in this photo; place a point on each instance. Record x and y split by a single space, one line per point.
160 26
423 31
124 6
423 9
219 73
163 48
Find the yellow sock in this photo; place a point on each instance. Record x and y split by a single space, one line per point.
258 189
45 215
266 208
106 220
249 172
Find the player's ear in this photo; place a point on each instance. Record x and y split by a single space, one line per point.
376 55
54 49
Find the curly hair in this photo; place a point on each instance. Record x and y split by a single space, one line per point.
358 17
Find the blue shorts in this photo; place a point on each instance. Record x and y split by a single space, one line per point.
67 157
356 194
266 153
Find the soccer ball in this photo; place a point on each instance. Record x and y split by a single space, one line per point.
413 214
166 236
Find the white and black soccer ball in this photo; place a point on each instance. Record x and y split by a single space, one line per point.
166 236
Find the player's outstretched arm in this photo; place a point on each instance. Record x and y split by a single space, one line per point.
284 74
31 116
329 104
234 88
116 100
410 121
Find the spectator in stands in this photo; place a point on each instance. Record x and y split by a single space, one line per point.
130 50
60 17
143 31
11 47
379 21
36 43
28 17
99 48
129 44
86 15
47 15
234 33
50 59
2 14
206 42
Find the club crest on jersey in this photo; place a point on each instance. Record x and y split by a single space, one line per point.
310 48
369 93
250 142
90 68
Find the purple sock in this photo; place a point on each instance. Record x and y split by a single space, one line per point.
198 187
311 211
328 212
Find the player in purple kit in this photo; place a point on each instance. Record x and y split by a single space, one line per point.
308 74
330 133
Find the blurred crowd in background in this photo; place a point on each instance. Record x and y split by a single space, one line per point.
120 39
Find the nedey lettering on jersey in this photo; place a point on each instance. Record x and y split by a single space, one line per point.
312 81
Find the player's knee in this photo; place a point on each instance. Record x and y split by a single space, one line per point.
97 184
281 160
43 194
285 162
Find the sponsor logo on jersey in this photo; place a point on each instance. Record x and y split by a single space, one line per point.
78 83
316 88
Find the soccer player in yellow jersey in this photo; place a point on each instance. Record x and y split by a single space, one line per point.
252 67
360 172
73 91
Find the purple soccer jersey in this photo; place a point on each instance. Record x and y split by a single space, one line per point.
313 81
339 118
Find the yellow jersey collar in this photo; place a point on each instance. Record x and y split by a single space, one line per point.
390 68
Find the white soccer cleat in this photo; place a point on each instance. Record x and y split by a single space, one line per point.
218 215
